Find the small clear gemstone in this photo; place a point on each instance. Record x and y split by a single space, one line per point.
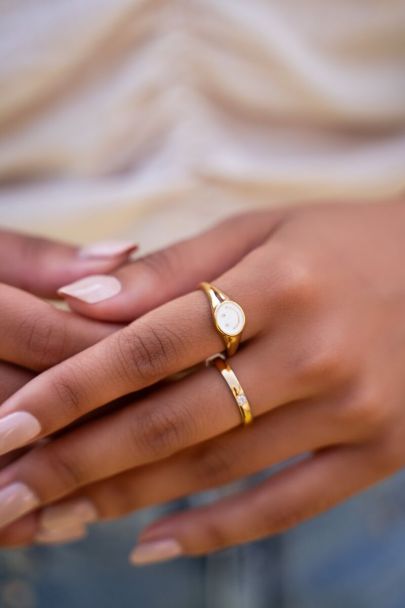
241 399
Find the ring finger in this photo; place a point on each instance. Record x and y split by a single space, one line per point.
276 437
172 419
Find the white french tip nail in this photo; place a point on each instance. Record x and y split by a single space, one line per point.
92 289
107 249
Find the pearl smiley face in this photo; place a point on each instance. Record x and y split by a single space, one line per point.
230 318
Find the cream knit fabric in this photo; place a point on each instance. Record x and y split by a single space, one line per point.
152 118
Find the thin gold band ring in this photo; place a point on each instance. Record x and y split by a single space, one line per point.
236 389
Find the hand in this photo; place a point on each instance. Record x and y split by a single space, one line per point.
40 266
324 296
33 334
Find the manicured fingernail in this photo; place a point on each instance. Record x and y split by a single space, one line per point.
67 515
92 289
16 500
155 551
108 249
16 430
50 537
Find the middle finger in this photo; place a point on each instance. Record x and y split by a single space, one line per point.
167 340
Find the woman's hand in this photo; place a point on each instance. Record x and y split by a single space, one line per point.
40 266
322 364
33 334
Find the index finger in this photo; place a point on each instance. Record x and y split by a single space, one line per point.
167 340
40 266
36 335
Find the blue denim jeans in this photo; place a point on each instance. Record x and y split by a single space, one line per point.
351 557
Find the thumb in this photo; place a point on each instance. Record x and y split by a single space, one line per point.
159 277
40 265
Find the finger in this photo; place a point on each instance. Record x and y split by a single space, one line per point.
20 533
12 378
153 428
169 339
16 534
281 502
41 266
276 436
161 276
169 420
36 335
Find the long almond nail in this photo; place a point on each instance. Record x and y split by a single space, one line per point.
16 500
16 430
50 537
108 249
67 515
93 289
155 551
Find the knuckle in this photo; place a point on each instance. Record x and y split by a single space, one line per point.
321 365
285 519
118 497
43 339
212 465
69 392
364 411
66 475
161 432
282 521
147 351
296 284
217 536
164 263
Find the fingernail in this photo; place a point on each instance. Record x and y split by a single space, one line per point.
50 537
67 515
16 430
92 289
108 249
155 551
16 500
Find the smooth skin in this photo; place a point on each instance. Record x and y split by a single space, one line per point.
322 360
34 335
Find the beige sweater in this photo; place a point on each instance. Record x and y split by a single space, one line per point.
152 118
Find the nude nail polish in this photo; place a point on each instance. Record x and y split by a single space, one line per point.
155 551
108 249
16 500
16 430
65 535
68 514
92 289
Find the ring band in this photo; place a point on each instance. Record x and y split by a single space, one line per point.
237 391
228 316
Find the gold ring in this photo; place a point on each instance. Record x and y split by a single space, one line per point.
237 391
229 318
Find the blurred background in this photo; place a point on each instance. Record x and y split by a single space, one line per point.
352 556
150 120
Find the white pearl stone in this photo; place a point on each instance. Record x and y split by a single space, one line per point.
230 318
